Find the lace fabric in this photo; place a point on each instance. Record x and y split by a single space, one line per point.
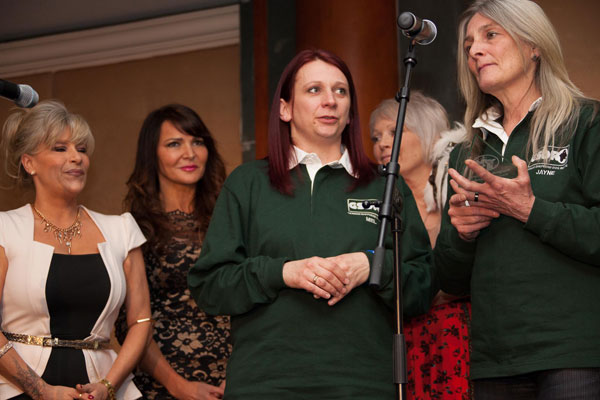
196 345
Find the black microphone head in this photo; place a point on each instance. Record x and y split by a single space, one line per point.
407 21
421 31
28 97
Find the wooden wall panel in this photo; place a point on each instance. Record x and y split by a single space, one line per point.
363 34
576 22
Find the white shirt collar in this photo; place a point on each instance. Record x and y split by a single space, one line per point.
313 162
488 121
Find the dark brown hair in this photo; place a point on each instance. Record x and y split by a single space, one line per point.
143 198
280 143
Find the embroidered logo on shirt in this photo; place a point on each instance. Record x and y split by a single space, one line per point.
557 159
357 207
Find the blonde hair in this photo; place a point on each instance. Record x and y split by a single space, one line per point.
425 117
26 130
553 121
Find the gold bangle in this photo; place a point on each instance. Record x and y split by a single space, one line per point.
141 321
110 388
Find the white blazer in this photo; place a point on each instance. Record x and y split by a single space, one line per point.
23 308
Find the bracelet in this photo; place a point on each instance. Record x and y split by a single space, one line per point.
110 388
5 348
142 320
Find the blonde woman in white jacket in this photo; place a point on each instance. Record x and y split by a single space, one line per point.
65 271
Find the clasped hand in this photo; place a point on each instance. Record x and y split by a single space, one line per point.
474 205
330 278
92 391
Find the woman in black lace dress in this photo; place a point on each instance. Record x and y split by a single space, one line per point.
172 191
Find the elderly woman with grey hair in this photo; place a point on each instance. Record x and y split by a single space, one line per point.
527 248
437 342
426 144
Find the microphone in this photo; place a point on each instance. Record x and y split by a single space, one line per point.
22 95
422 31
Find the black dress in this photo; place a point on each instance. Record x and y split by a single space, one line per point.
196 345
77 289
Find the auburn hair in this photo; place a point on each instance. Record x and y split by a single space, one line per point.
279 138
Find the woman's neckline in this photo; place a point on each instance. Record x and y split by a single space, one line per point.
179 212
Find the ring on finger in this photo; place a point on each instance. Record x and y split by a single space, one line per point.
467 203
315 279
476 197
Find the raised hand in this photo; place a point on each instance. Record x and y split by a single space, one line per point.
511 197
464 209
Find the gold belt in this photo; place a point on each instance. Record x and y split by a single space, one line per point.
56 342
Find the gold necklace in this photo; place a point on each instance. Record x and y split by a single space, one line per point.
66 234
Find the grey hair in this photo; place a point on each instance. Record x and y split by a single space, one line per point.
27 130
526 22
425 117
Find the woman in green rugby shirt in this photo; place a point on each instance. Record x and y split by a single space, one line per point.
526 247
285 254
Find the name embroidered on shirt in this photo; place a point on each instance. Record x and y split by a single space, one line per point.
545 172
372 220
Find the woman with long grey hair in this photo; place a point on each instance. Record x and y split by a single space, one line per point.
525 244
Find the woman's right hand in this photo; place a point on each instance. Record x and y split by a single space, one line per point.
50 392
194 390
467 218
322 277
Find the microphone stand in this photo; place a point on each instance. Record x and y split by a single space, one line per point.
390 210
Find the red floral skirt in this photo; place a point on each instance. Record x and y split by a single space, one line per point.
437 353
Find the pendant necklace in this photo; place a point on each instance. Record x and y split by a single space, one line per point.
62 234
